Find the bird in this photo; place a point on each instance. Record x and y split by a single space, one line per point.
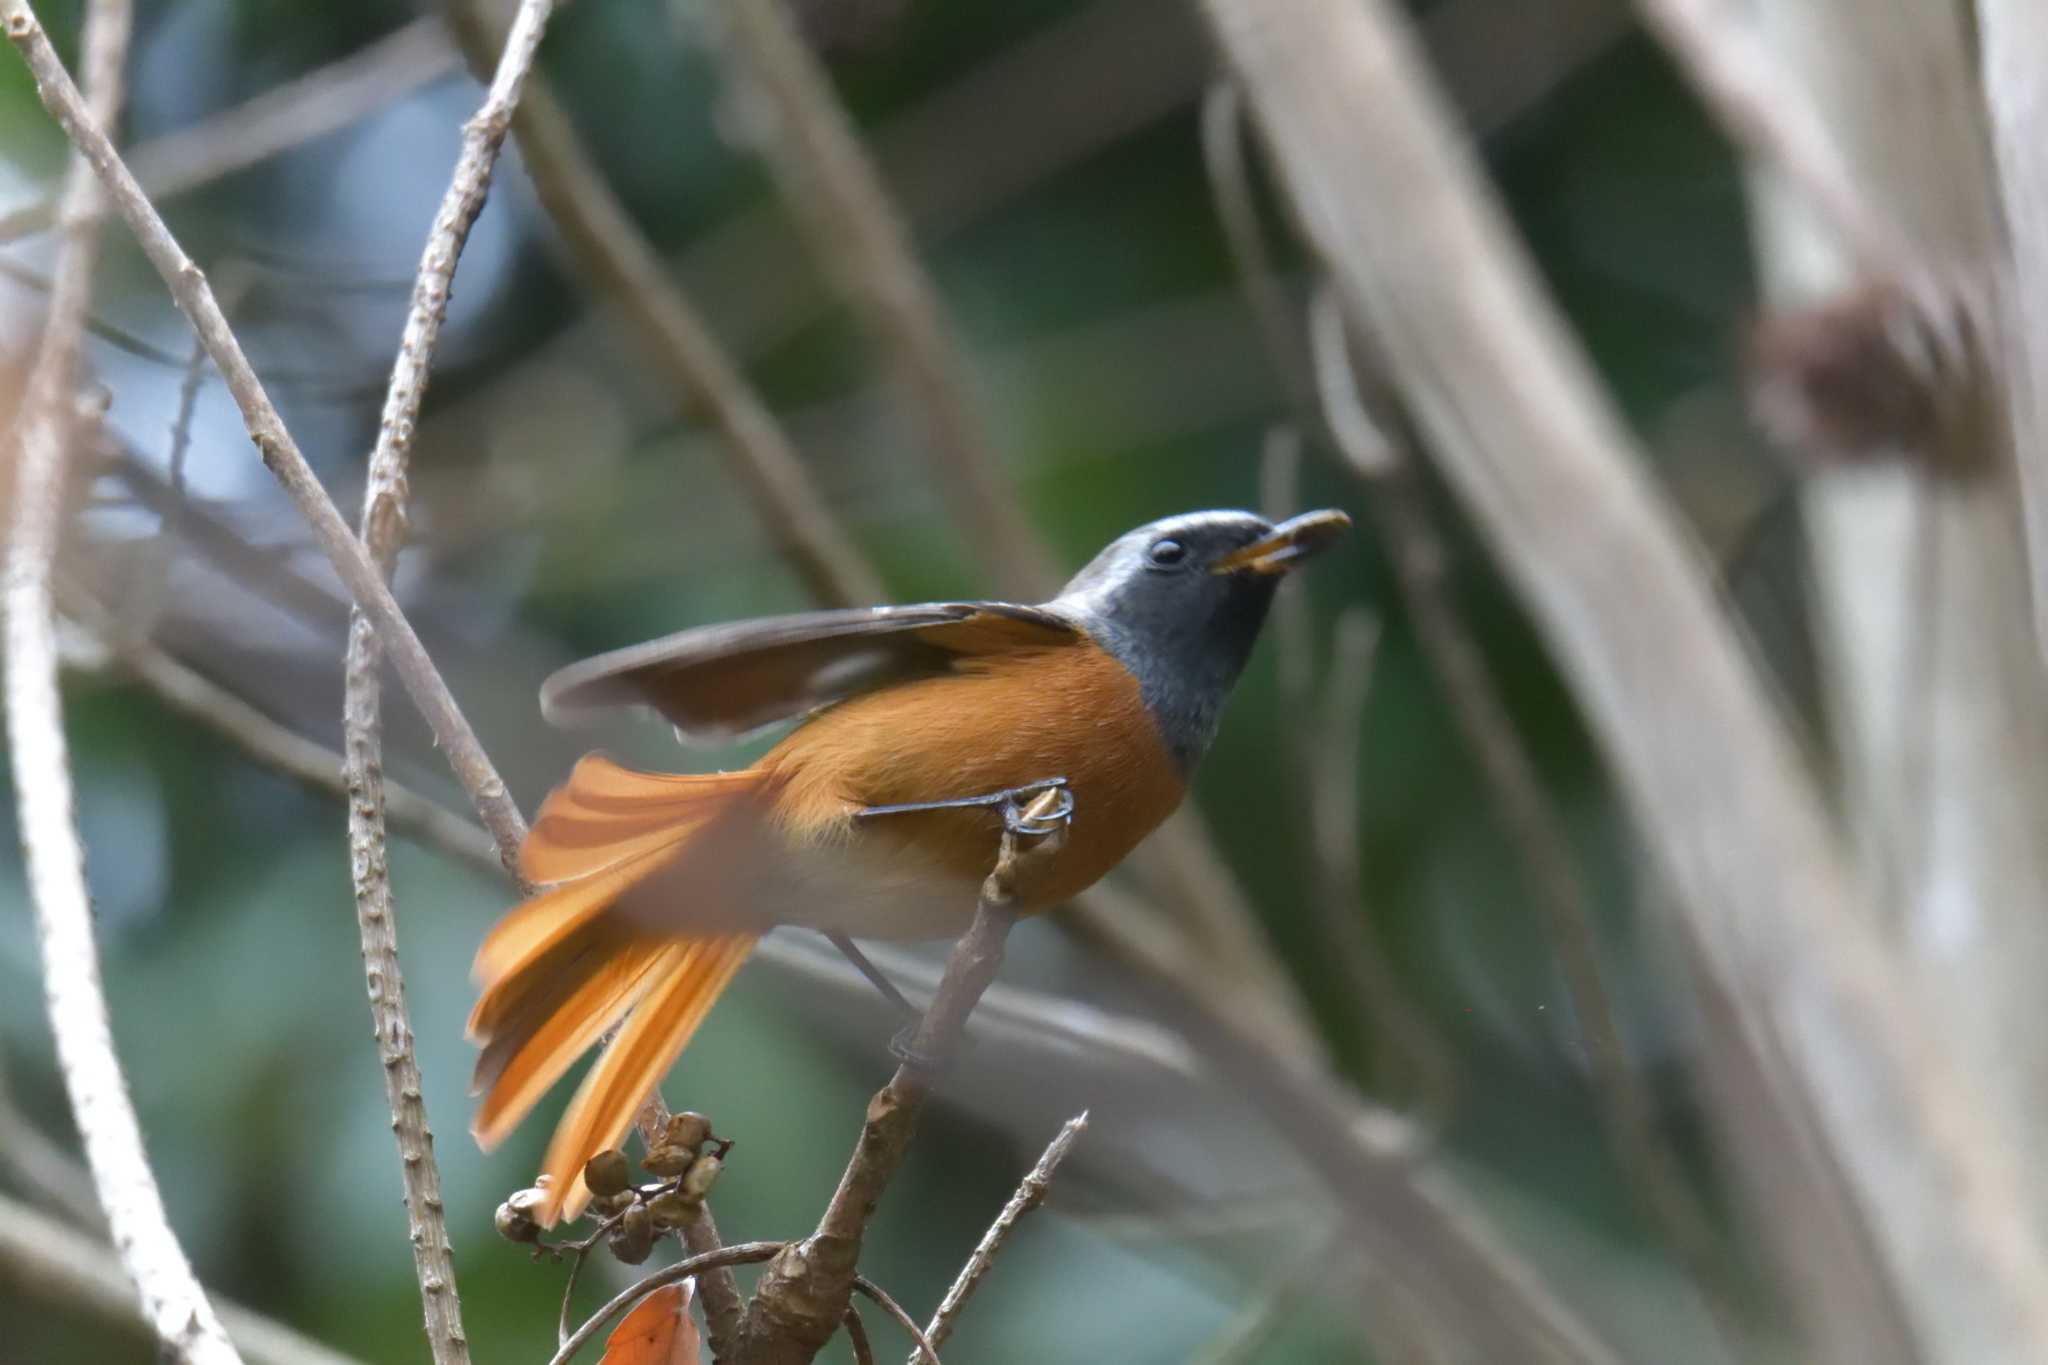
921 731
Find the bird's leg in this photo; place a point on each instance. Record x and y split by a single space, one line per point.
1036 810
852 953
1015 803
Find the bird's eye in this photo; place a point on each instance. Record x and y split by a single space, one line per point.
1167 553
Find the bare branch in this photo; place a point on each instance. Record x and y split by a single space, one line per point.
172 1300
42 1260
740 1253
857 1337
1423 257
1767 109
382 530
318 103
833 188
924 1351
452 732
1030 1194
799 1300
2013 45
619 260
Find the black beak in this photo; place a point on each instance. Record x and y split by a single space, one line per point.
1286 545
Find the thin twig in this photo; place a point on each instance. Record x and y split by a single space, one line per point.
172 1300
740 1253
334 96
856 1337
611 250
1333 757
834 190
923 1349
1237 212
799 1300
382 530
452 732
43 1261
1030 1194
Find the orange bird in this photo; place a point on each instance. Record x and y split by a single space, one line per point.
924 728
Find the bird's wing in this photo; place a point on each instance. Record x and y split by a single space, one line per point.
719 681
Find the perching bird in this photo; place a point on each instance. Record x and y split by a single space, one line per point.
877 816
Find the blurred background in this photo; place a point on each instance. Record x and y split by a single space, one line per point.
566 498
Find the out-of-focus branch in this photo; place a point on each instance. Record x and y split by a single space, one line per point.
172 1301
1766 108
263 740
281 454
2013 54
317 103
1180 859
616 256
382 531
43 1169
44 1261
1332 781
1423 259
1412 544
802 1296
1414 548
1030 1194
833 188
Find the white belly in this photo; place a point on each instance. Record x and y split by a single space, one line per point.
869 897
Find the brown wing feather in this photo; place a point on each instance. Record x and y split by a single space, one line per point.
719 681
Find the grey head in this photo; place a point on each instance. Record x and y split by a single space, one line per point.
1179 602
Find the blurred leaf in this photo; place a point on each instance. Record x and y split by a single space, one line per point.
658 1331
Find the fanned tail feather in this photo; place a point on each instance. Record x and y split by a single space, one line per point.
559 970
693 975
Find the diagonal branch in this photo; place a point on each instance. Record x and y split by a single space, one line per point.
45 1261
832 186
801 1297
1030 1194
173 1302
281 454
1768 110
383 526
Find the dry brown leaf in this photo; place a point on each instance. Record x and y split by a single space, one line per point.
659 1331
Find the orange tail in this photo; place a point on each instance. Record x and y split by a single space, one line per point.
562 968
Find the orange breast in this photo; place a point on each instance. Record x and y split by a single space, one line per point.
1001 721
